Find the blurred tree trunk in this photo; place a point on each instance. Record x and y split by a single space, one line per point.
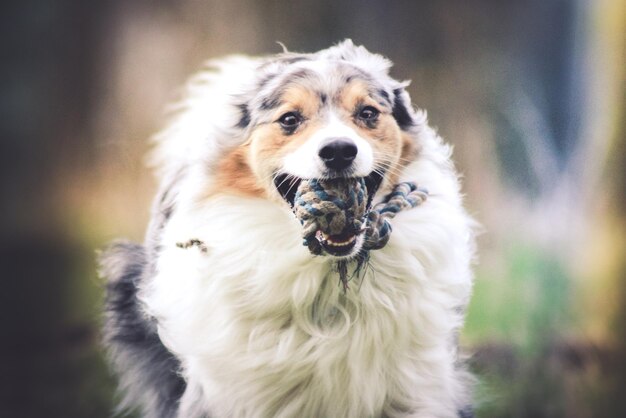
47 81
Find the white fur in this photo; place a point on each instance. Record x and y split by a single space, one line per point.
263 328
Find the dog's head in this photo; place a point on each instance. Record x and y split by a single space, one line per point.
332 114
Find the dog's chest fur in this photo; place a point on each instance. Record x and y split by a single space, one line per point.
265 330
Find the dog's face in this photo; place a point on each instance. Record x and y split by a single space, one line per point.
317 119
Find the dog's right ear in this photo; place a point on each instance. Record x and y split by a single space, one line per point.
402 110
408 120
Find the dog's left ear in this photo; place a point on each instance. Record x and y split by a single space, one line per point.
402 110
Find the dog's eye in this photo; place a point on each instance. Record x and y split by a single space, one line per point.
290 121
368 114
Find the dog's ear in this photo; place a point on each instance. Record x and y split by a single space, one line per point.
402 110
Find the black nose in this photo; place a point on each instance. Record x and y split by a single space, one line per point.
338 153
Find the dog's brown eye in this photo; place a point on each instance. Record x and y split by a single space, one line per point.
290 121
368 113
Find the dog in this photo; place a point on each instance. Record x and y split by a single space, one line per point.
222 312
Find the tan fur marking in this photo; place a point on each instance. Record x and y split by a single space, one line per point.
234 174
410 150
301 99
354 94
269 144
407 154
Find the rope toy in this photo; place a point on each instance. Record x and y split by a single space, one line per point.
337 207
332 207
404 196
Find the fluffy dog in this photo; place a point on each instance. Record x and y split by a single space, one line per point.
224 313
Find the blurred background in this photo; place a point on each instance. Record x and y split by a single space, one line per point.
530 92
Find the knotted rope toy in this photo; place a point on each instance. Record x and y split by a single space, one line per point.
330 208
333 212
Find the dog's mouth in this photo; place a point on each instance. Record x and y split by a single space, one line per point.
340 245
287 186
338 242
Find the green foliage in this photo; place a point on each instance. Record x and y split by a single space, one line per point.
526 302
514 322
